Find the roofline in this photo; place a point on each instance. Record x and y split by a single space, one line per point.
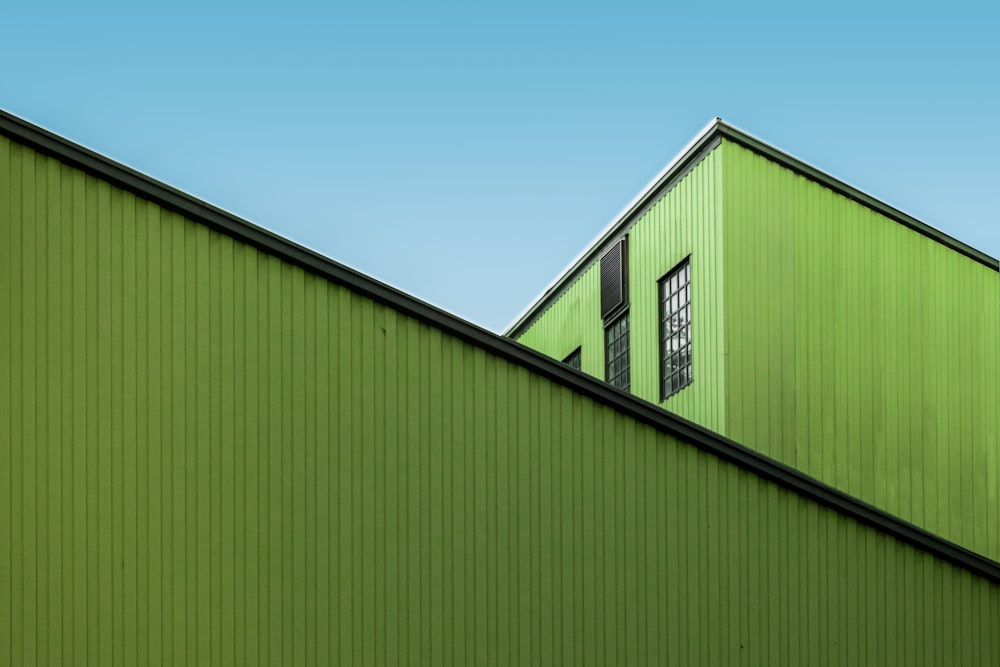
688 157
677 168
643 411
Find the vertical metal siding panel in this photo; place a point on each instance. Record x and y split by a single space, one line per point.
8 339
113 470
42 444
651 612
869 359
587 467
491 522
73 424
304 389
463 473
420 504
271 461
386 466
133 498
250 425
325 548
227 567
347 469
500 533
259 327
441 516
389 398
130 395
170 425
784 369
45 444
11 630
176 420
407 441
560 523
578 500
63 379
166 426
286 381
23 467
365 444
473 411
671 571
549 432
532 514
480 573
450 462
105 404
210 465
236 461
37 445
91 391
431 502
145 387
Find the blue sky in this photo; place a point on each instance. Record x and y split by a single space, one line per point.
466 153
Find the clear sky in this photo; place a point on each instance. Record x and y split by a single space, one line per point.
466 152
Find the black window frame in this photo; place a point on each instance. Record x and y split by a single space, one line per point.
575 358
674 295
617 352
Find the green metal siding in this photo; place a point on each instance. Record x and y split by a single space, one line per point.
574 320
208 455
861 352
687 220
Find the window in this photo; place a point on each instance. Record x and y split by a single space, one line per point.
616 348
573 359
675 330
614 313
614 279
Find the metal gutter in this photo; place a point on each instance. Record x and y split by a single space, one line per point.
643 411
715 131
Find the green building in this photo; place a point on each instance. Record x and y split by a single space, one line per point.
763 299
218 447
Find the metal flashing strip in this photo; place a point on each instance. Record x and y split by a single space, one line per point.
692 154
643 411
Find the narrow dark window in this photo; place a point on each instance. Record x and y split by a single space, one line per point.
614 279
573 359
675 330
616 353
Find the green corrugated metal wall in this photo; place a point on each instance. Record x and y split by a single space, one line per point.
687 220
824 335
210 456
861 352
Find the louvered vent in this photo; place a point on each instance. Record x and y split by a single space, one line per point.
614 278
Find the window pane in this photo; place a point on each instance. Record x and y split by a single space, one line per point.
617 370
675 330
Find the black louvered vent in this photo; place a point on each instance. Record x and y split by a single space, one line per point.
614 278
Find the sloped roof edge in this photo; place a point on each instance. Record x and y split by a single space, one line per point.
754 462
689 156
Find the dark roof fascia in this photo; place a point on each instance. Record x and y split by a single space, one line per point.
643 411
677 169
